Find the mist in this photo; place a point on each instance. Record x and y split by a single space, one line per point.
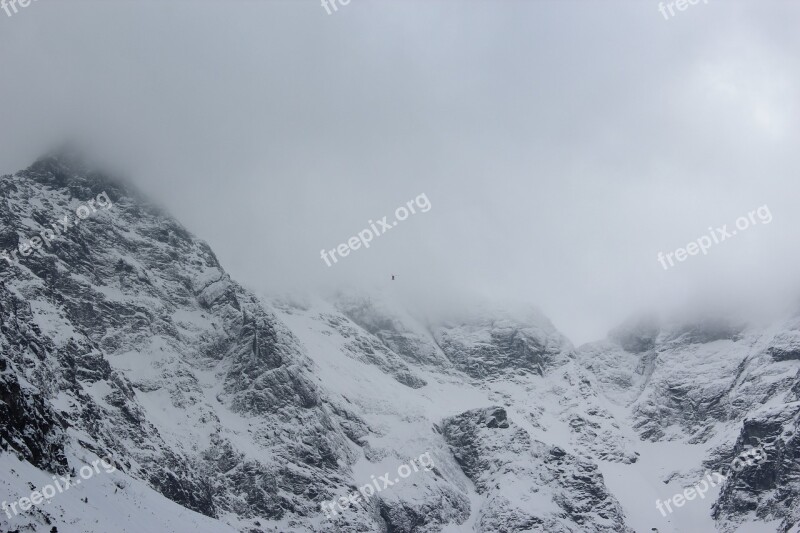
561 145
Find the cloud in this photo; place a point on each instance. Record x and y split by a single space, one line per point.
562 145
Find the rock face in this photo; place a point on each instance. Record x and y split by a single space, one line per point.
722 388
492 345
785 346
31 428
769 490
155 357
528 485
394 329
123 337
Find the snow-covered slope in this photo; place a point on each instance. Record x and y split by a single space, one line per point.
551 403
223 411
126 338
698 394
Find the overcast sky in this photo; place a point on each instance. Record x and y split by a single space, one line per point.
562 145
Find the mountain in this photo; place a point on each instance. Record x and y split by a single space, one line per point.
122 338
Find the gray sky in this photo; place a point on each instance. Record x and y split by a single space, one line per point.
562 145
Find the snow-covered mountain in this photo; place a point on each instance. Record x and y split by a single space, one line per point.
124 338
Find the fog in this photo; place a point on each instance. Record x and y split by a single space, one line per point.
561 145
